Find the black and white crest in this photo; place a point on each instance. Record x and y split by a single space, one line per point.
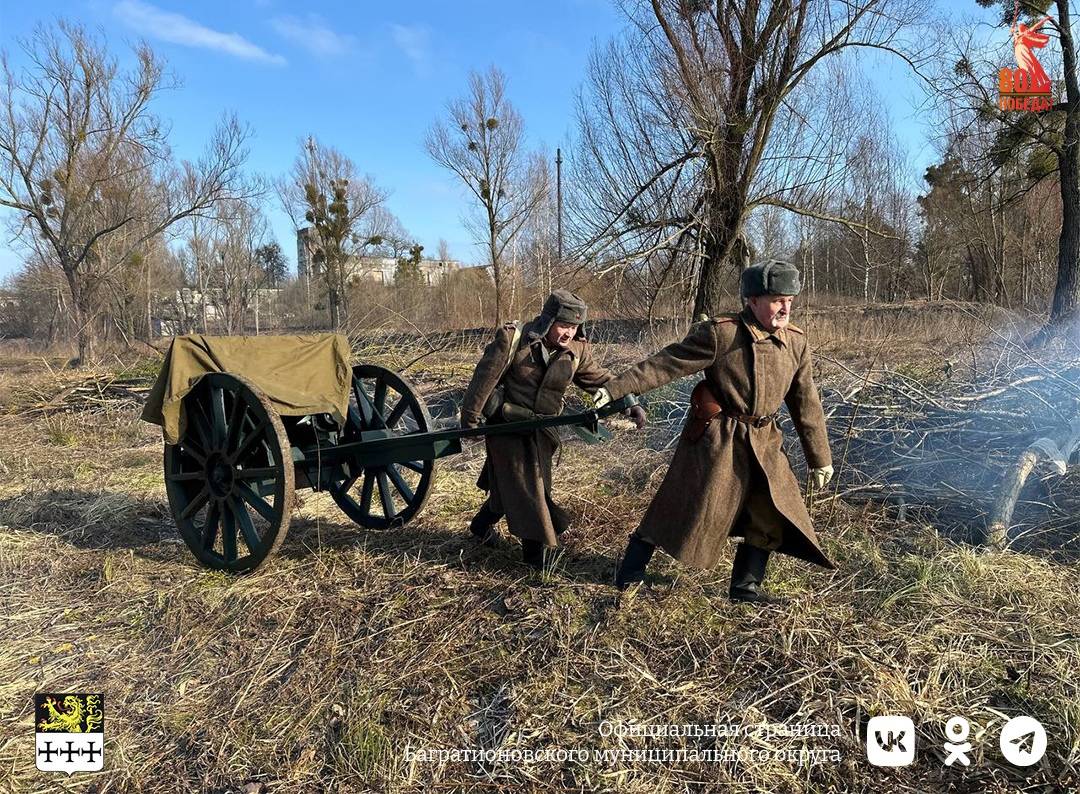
70 732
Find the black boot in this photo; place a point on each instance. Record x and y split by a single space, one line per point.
560 519
483 523
634 561
532 553
747 573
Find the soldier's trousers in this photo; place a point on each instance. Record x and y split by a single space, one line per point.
759 522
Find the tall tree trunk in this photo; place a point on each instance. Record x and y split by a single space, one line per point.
1023 266
149 315
333 297
929 275
84 315
496 273
865 240
724 245
1067 291
343 293
724 248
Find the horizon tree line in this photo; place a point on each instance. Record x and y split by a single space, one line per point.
706 138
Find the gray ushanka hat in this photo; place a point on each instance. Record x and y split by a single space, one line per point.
774 277
566 307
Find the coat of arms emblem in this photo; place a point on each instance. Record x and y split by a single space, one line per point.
70 732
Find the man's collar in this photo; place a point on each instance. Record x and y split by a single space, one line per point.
570 351
757 331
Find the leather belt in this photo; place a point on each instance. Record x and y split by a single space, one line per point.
750 419
704 407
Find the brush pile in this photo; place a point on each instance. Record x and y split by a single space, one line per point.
99 392
944 447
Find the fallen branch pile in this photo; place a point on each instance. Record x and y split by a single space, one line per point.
950 449
93 393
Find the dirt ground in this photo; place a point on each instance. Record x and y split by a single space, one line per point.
411 660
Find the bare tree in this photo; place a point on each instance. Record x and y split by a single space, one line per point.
872 192
325 193
711 109
539 243
236 271
481 141
77 136
196 259
39 309
386 235
634 181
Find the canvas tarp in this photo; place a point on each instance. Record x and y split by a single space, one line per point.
301 375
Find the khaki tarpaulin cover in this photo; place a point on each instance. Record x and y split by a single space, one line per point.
301 375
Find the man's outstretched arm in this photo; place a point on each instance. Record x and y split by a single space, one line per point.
679 359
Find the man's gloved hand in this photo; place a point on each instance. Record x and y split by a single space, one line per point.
637 413
821 476
601 398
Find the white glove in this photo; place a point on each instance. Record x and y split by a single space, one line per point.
821 476
601 398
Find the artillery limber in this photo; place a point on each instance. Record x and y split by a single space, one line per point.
248 421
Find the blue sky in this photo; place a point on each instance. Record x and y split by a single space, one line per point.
369 79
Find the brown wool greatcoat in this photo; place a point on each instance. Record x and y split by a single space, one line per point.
706 486
517 472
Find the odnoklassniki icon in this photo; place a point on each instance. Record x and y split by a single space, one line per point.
957 748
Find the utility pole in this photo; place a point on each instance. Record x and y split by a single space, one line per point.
149 315
558 198
311 242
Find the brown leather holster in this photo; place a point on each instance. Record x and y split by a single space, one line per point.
703 409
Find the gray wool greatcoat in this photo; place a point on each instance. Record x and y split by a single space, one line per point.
751 371
517 472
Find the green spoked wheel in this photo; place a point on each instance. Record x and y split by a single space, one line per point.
378 497
230 478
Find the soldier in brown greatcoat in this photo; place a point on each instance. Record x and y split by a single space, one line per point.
534 365
729 474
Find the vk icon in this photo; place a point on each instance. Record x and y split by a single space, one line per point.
890 740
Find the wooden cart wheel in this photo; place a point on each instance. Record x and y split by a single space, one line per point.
230 478
378 497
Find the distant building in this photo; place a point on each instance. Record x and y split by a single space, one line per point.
383 269
378 269
304 265
186 309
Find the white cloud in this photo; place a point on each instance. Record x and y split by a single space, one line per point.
313 34
178 29
415 42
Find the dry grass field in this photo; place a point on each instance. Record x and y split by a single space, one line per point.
357 660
